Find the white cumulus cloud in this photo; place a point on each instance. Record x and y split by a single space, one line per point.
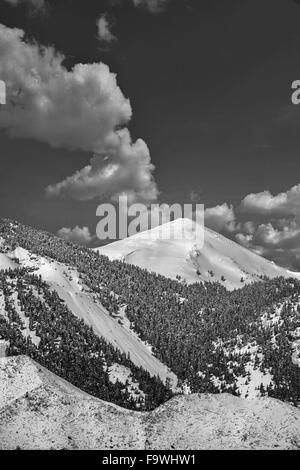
280 205
220 218
278 237
128 170
82 108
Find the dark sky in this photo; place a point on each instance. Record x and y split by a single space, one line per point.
209 82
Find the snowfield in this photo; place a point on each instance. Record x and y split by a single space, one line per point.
39 410
6 262
186 258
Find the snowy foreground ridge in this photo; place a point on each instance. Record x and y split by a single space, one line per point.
220 259
42 411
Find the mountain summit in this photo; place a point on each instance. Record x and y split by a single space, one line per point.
220 259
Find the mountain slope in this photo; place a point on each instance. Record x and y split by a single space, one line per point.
66 281
184 257
6 262
38 410
35 320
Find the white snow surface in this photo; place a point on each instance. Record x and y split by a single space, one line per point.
184 256
39 410
6 262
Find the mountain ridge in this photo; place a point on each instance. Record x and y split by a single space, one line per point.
40 411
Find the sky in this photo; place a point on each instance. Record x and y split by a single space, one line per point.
164 100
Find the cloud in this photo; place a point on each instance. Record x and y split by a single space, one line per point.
220 218
104 32
77 109
82 108
268 236
34 6
285 204
278 238
128 170
154 6
278 243
79 235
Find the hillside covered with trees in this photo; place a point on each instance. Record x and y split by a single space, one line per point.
213 339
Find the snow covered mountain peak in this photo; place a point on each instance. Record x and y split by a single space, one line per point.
218 259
